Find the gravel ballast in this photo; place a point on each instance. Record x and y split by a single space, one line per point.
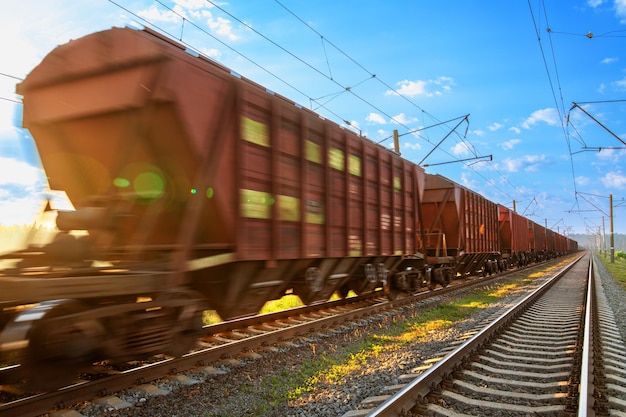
236 387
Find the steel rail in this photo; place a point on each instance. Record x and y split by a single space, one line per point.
415 392
586 388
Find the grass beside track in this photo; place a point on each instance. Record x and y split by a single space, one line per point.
333 367
617 269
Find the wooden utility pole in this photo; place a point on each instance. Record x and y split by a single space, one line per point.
396 141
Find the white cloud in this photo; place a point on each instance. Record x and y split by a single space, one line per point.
614 180
609 60
445 83
191 10
606 154
410 88
515 130
528 163
594 3
193 4
375 118
532 163
621 84
494 127
620 10
19 207
154 14
414 146
549 116
18 211
478 132
582 180
221 26
509 144
212 53
468 182
403 119
510 165
14 172
426 88
461 148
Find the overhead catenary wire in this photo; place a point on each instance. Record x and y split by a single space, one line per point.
494 185
347 89
196 50
13 100
558 106
467 143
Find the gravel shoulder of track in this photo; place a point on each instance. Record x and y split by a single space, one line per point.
238 389
615 294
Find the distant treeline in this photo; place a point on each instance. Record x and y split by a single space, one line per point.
595 241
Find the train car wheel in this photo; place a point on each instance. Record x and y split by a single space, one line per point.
390 288
314 279
58 348
188 322
370 273
184 341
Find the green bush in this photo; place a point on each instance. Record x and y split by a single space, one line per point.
620 255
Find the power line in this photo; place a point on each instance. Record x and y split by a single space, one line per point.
11 76
552 86
330 78
464 140
196 50
11 99
186 20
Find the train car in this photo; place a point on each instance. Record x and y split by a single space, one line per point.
537 241
551 243
193 189
514 238
460 230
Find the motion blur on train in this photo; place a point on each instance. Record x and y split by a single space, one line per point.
195 189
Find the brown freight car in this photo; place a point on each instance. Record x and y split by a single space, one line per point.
460 229
197 189
251 194
538 241
514 238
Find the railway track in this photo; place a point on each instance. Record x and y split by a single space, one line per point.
220 341
548 355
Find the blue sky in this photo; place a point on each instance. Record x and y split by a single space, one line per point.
515 67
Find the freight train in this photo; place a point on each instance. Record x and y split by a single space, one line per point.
194 188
